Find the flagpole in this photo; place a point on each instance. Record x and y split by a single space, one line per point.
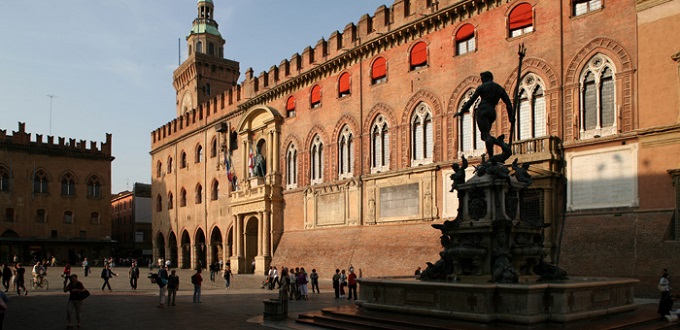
522 51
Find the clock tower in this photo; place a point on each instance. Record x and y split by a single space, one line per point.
205 73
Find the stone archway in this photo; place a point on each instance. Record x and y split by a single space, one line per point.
216 247
186 250
160 246
172 246
250 244
201 249
230 245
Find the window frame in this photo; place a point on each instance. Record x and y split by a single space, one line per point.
380 160
316 161
422 115
416 48
597 65
345 153
523 29
291 167
375 80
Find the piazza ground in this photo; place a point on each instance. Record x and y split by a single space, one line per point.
240 307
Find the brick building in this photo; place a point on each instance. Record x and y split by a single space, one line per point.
358 137
131 222
54 197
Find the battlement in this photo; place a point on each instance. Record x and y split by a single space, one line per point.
22 139
394 25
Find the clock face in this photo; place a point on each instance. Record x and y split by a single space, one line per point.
186 103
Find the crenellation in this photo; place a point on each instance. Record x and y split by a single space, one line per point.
335 42
285 67
321 51
296 63
307 58
22 138
62 141
38 139
349 35
381 19
365 25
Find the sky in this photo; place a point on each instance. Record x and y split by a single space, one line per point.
109 64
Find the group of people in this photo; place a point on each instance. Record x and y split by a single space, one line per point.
342 280
13 278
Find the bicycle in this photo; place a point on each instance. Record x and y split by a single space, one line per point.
40 282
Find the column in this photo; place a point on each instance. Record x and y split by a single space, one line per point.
270 155
266 233
260 233
275 151
238 236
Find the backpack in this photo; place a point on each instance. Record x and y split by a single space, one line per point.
193 279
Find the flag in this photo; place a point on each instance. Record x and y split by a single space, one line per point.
251 164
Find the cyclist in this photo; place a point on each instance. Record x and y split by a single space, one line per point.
39 273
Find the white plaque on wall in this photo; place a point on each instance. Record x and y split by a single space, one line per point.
602 178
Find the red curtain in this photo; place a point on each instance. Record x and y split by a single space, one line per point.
344 83
419 54
465 32
379 69
290 105
316 94
521 16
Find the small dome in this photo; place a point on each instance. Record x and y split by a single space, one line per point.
210 1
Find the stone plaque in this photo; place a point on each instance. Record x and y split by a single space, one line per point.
331 209
400 201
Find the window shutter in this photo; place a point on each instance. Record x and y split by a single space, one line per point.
607 99
385 147
521 16
539 113
377 152
466 133
344 83
465 32
419 54
589 103
290 105
524 122
320 174
379 69
316 94
417 139
350 155
429 143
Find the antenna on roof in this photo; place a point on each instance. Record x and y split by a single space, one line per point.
51 97
179 51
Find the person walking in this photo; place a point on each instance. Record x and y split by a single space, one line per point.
162 282
336 283
20 280
343 283
6 276
173 286
665 302
352 284
3 307
133 274
196 280
302 281
107 273
227 276
75 299
314 278
86 266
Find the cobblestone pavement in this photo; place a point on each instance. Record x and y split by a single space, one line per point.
240 307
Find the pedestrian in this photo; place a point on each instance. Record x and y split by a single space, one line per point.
270 278
665 302
53 262
212 272
336 283
293 290
173 286
302 280
67 270
227 276
196 280
77 293
86 266
253 265
3 307
6 276
162 284
133 274
284 284
20 279
107 273
352 284
314 278
343 283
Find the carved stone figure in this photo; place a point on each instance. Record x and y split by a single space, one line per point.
549 272
490 93
260 167
522 173
458 176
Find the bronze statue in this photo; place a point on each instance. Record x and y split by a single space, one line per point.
259 169
458 176
490 93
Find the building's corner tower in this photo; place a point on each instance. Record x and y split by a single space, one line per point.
205 73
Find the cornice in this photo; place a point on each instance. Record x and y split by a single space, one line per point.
641 5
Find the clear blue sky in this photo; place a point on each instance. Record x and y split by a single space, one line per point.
110 63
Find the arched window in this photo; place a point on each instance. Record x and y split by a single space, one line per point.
379 71
316 160
170 201
213 147
182 198
183 160
315 98
380 145
530 119
344 85
94 187
68 185
199 154
40 183
291 167
345 153
421 135
290 107
199 194
94 218
211 48
68 217
469 138
418 56
159 203
521 20
215 190
199 47
597 98
4 179
169 165
582 7
465 39
159 169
